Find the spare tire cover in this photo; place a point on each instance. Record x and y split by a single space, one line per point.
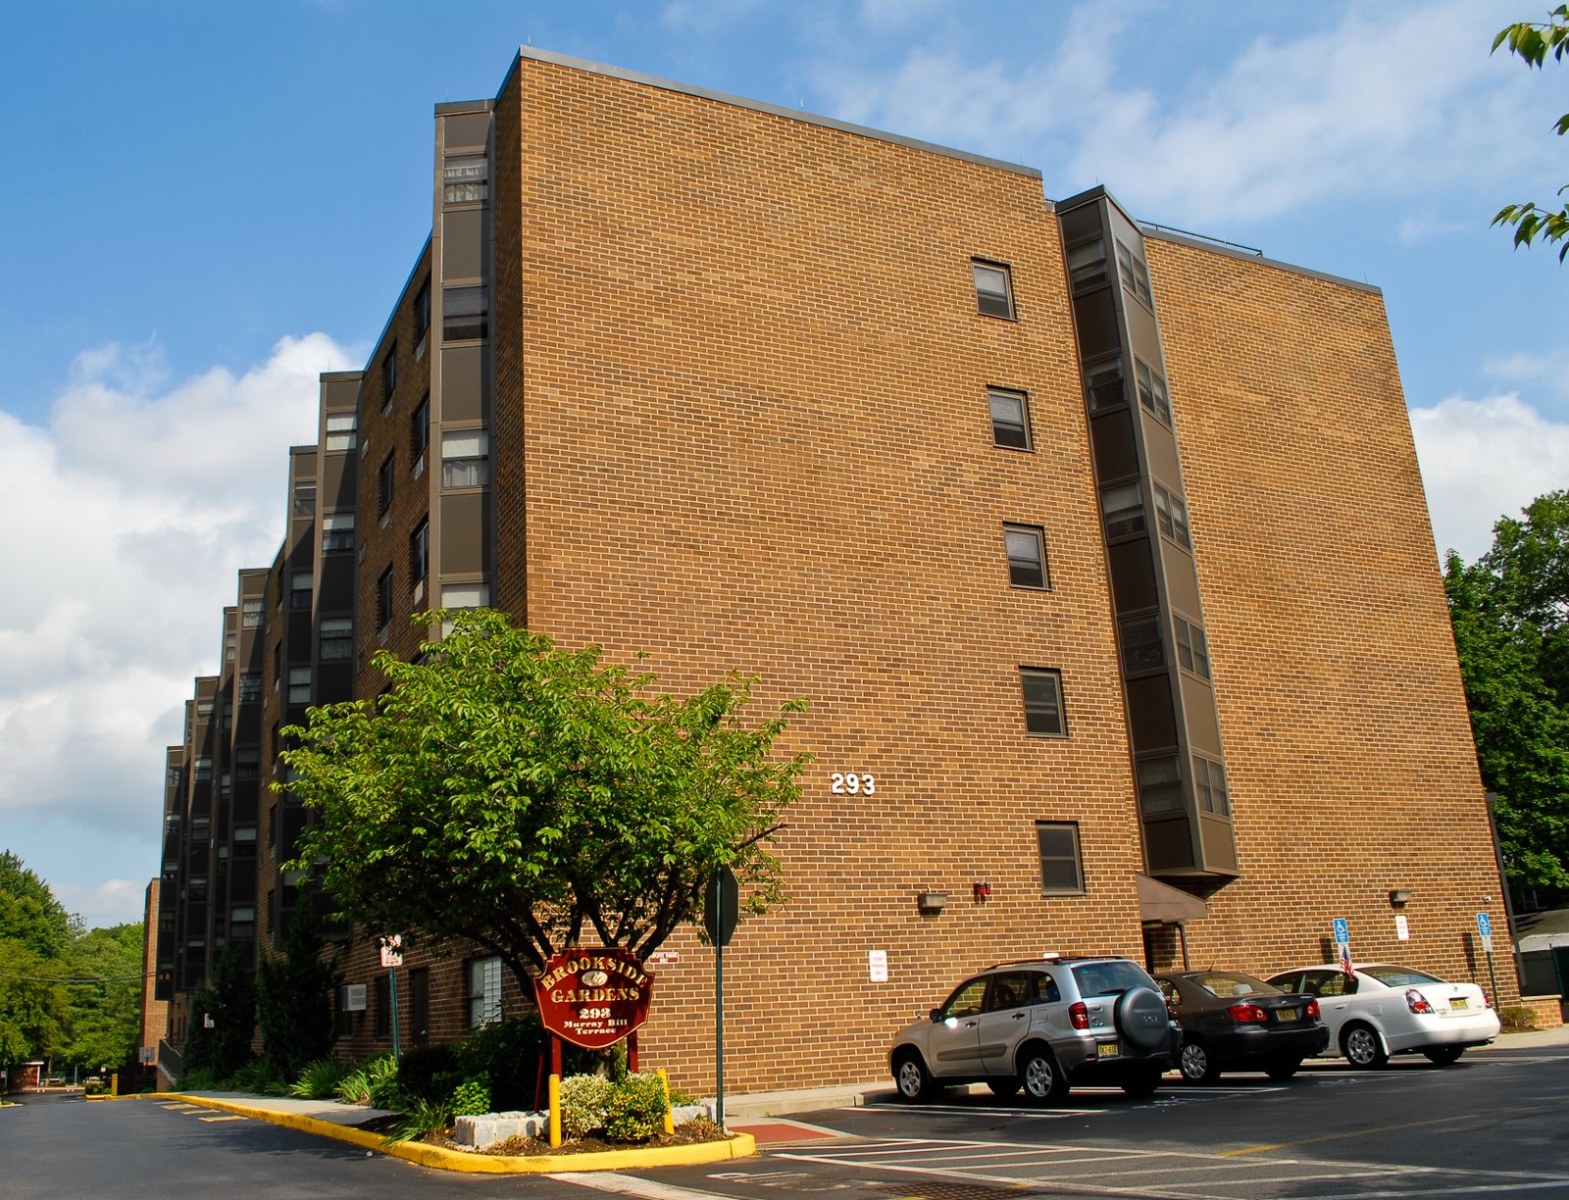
1142 1018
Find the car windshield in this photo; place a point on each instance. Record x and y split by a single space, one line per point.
1232 983
1109 978
1399 976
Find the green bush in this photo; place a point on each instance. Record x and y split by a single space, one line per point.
583 1101
635 1110
319 1080
422 1117
1517 1018
257 1078
430 1072
382 1074
509 1053
471 1098
198 1079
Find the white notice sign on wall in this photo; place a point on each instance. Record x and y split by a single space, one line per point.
1402 927
877 965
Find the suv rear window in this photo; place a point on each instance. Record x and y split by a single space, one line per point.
1109 978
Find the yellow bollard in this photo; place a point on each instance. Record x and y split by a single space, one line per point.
664 1085
114 1085
555 1111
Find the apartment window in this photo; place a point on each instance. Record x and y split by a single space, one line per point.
1152 390
1209 782
337 639
1104 386
204 770
250 687
1172 516
251 612
1062 872
1010 419
242 922
301 587
465 595
419 552
419 434
384 482
993 289
1026 555
422 310
382 1018
305 499
231 646
337 532
204 710
1122 509
1192 648
1087 265
247 761
484 980
465 458
1135 275
464 313
1160 785
384 599
465 178
299 685
225 790
1143 648
1042 702
341 429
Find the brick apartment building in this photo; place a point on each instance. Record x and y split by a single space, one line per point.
1100 552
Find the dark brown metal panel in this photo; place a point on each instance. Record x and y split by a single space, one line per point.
1132 576
1168 845
464 522
1095 315
462 383
464 248
1152 721
1112 440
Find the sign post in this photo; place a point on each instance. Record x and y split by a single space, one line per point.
721 910
1343 943
392 959
1484 930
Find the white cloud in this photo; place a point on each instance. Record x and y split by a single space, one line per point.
140 502
112 902
1484 459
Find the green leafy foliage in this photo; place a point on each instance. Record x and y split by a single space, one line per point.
1532 42
518 795
421 1117
430 1072
583 1102
1510 612
635 1111
381 1084
294 996
507 1053
471 1098
229 998
319 1080
29 913
103 1007
31 1004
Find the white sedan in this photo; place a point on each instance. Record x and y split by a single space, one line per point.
1383 1009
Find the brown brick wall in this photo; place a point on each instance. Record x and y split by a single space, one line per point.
1347 740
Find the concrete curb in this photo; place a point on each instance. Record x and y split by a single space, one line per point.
740 1145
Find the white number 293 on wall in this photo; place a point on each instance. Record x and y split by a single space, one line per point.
841 783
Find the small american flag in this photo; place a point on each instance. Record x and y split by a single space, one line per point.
1345 959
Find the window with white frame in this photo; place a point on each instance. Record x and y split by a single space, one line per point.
1026 546
1042 702
465 458
1010 418
341 431
484 991
993 288
1062 872
251 612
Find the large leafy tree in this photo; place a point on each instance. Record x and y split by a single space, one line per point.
104 969
1532 42
35 930
29 913
521 796
1511 619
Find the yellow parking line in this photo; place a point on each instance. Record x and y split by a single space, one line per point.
210 1120
1467 1118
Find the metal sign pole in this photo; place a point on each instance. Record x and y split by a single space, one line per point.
392 986
716 901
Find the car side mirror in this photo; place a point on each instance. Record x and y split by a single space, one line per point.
935 1015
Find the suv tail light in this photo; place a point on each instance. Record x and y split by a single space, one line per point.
1248 1014
1312 1010
1079 1015
1417 1002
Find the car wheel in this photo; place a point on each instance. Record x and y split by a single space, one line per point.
1143 1084
1283 1069
1142 1018
1360 1044
912 1078
1003 1088
1443 1055
1197 1063
1040 1078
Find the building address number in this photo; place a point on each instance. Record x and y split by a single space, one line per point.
842 783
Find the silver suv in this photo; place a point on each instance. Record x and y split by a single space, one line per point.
1042 1025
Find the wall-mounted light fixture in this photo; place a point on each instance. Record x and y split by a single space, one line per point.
932 902
983 892
1399 897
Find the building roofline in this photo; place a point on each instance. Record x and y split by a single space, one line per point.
1232 250
762 106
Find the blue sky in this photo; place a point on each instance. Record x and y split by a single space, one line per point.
208 204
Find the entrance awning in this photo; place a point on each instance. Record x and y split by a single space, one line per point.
1168 905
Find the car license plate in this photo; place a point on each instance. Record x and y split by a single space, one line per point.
1108 1049
1459 1004
1285 1014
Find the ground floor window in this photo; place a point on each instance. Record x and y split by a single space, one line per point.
484 991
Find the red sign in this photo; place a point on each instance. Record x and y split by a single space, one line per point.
593 997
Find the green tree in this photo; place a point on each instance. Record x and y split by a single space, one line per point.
228 998
515 794
31 1004
103 1011
1533 41
294 997
1510 611
29 913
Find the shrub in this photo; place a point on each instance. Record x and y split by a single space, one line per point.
295 994
255 1077
422 1117
354 1087
583 1101
1517 1018
319 1080
635 1110
198 1079
430 1072
471 1098
381 1074
509 1053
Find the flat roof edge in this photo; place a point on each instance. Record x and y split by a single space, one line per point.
1229 251
777 110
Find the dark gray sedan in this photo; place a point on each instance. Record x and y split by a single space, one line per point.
1234 1022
